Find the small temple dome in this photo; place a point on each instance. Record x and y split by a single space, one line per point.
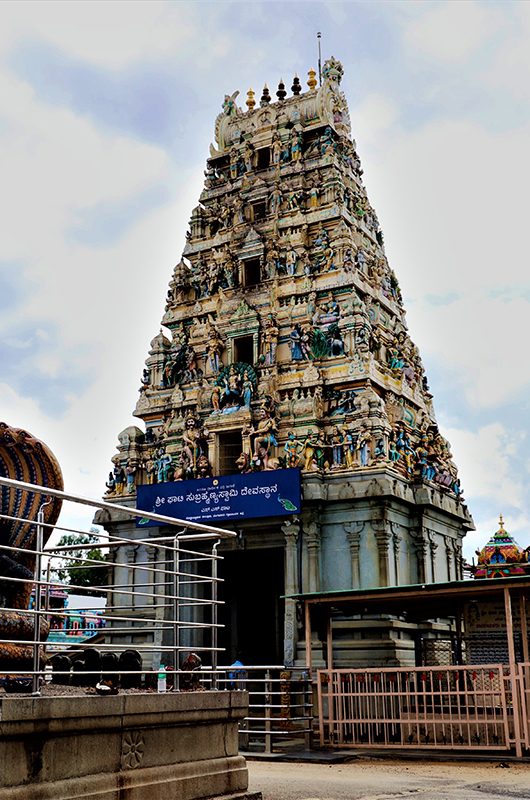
160 342
502 556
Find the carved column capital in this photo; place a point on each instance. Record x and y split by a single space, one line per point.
383 535
420 543
353 535
290 530
433 544
131 553
312 532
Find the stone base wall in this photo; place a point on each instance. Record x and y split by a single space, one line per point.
128 747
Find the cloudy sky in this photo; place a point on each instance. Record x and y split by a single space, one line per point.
107 113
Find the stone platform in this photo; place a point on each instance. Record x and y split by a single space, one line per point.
178 746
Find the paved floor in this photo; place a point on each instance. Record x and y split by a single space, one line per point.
367 779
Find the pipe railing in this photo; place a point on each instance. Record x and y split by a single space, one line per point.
160 600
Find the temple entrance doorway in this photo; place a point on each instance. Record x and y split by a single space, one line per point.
253 611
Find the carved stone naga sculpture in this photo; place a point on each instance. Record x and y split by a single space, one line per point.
23 458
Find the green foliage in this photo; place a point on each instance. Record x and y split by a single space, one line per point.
78 569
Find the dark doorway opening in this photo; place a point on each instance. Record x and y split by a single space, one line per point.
264 157
230 447
244 349
253 611
251 272
259 211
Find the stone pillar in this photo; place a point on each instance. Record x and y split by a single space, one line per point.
312 538
151 558
458 559
131 553
255 345
433 546
383 535
449 557
396 542
353 535
420 545
382 538
290 530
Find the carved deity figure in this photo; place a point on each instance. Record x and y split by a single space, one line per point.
110 484
214 348
119 478
130 472
298 340
222 123
264 435
323 252
315 451
243 463
232 390
291 260
248 157
234 162
164 466
247 389
350 448
276 148
292 450
296 145
337 447
310 446
363 446
275 199
192 441
348 260
270 340
404 448
313 196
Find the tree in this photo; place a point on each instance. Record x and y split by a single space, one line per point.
77 569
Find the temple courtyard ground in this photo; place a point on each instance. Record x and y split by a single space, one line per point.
385 779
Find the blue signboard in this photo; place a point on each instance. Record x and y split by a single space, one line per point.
274 493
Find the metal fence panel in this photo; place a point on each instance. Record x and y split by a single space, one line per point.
459 708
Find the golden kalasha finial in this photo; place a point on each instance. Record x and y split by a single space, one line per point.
312 80
250 99
501 523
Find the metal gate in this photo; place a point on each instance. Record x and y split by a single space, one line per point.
523 676
458 708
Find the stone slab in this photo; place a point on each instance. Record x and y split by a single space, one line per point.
128 747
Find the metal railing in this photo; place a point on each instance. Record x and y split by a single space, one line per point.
280 712
459 708
159 602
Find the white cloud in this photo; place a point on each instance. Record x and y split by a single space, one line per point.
92 309
452 197
452 31
58 163
484 460
107 34
510 66
476 340
454 202
374 118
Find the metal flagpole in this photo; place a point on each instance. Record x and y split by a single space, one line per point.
319 37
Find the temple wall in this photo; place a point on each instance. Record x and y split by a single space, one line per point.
128 747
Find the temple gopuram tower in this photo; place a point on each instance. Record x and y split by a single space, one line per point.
284 357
